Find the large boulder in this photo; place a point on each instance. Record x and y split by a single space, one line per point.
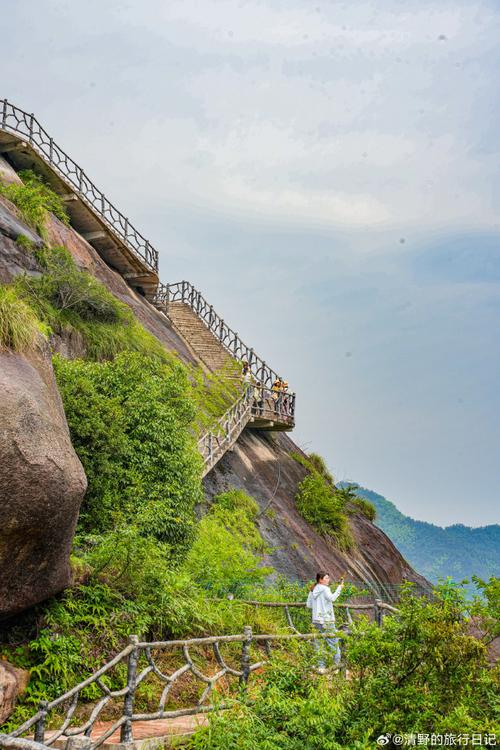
13 682
42 483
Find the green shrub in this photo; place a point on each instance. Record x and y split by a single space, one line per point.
145 571
321 506
25 243
291 711
317 463
74 303
19 326
421 672
313 463
367 509
131 424
67 288
35 199
227 554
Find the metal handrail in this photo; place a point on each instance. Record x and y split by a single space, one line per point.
16 120
184 291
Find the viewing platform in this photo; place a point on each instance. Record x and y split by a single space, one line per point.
265 404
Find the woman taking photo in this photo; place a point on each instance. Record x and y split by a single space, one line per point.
323 618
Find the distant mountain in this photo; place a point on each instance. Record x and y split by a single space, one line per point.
457 551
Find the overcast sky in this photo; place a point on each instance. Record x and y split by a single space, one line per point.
327 173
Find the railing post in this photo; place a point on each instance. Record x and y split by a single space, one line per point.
4 112
167 298
210 445
183 291
40 724
378 611
32 117
128 704
245 656
51 150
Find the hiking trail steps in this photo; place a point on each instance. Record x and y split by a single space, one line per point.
27 145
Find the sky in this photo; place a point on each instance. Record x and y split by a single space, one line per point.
327 174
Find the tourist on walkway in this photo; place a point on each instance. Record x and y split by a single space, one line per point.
245 372
276 394
323 618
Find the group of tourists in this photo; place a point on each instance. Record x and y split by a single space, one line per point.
277 399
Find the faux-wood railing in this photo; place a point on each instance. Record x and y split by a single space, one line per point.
16 120
141 661
184 291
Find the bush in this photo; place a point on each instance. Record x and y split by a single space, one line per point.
35 199
19 326
226 556
25 243
365 507
67 288
314 463
421 672
72 302
291 711
324 508
317 463
214 393
130 421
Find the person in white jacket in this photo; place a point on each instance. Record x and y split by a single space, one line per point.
320 600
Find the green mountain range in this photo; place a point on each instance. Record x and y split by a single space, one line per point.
457 551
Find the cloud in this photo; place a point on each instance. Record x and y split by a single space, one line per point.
327 173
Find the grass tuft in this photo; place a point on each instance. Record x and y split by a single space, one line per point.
19 326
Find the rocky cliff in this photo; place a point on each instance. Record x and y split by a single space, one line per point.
42 482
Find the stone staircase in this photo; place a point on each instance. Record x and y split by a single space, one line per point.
201 340
219 347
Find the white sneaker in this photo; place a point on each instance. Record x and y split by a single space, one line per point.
321 670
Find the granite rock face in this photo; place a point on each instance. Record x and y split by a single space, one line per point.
42 484
261 465
13 682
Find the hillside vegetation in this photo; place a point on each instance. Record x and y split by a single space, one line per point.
147 560
457 551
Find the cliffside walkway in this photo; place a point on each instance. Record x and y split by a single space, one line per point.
235 658
27 145
118 242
